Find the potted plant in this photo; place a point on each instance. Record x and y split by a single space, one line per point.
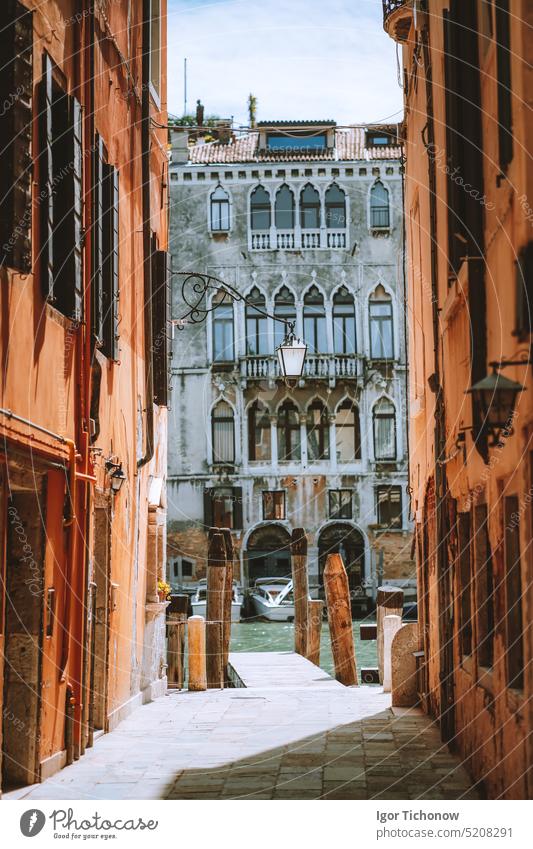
163 590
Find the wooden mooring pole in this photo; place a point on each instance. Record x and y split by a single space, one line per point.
196 643
176 630
389 602
300 589
228 598
315 608
216 572
340 620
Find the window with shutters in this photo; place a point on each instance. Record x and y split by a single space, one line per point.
155 46
60 193
16 83
161 278
105 285
484 587
223 507
524 292
389 507
223 433
514 636
504 82
464 580
274 505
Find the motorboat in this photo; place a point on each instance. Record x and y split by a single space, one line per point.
273 599
199 600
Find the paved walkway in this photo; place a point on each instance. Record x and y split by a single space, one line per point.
276 742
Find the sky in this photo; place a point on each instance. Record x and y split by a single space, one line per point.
302 59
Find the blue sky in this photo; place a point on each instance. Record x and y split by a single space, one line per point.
303 59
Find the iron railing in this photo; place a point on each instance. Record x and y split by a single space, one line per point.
390 6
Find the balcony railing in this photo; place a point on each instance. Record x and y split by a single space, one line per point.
317 366
397 16
321 238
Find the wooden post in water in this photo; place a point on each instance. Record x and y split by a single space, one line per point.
315 607
228 598
389 602
300 589
340 620
196 641
216 571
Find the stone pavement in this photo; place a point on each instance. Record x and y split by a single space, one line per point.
298 742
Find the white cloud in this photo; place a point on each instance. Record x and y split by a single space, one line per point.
303 59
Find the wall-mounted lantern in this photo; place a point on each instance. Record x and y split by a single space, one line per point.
116 473
495 397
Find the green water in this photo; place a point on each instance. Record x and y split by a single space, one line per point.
279 636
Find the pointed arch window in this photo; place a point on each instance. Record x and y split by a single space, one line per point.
309 208
315 321
289 443
384 421
317 431
344 322
260 211
259 442
284 209
348 432
220 210
223 432
379 207
381 327
256 324
223 348
335 208
284 308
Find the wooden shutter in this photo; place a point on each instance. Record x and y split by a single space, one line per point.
237 508
114 264
161 325
503 53
16 83
524 292
208 508
46 177
110 247
97 241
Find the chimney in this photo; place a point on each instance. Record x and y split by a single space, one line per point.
179 140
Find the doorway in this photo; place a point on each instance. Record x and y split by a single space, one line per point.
268 553
100 616
344 539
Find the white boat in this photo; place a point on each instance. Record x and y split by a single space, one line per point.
273 599
199 601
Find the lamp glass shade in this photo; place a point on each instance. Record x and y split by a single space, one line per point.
291 357
496 396
117 479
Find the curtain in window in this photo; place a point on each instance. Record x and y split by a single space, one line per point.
381 332
317 432
223 333
315 321
259 440
384 430
223 433
348 433
344 322
289 445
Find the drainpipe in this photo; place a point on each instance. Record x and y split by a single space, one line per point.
147 236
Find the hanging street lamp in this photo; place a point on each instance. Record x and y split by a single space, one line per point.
495 397
196 287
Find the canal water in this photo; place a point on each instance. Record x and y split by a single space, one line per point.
279 636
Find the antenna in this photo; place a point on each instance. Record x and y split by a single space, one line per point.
184 87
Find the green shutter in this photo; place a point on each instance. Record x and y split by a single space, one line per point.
46 186
161 325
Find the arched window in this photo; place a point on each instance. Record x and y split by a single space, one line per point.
259 443
379 207
315 321
223 331
335 208
348 432
285 308
220 213
344 322
223 427
317 432
256 324
260 209
384 417
309 208
289 446
284 209
381 329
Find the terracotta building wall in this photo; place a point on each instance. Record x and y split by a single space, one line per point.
50 367
485 718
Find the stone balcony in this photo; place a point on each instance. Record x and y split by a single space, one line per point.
321 238
317 367
397 17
